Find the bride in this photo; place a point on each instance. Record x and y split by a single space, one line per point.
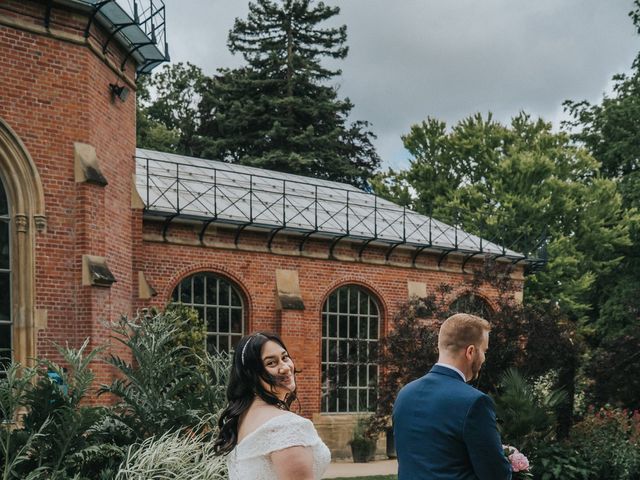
262 439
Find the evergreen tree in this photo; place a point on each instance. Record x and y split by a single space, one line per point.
279 112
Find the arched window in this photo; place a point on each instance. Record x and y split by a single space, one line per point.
219 303
350 332
470 303
6 352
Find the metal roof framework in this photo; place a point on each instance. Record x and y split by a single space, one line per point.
176 186
138 25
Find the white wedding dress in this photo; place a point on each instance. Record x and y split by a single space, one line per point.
251 458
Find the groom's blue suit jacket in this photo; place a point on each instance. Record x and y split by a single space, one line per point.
445 429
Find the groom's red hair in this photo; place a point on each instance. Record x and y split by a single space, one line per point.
461 330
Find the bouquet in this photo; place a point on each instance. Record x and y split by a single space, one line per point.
519 463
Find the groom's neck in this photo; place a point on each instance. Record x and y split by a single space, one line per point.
457 363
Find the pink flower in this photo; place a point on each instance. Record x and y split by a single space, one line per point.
519 463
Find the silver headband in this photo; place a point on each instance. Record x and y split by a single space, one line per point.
244 349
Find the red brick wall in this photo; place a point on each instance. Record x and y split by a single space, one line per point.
166 264
54 93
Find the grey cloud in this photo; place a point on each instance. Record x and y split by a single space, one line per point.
410 59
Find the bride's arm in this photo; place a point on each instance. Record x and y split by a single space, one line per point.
294 463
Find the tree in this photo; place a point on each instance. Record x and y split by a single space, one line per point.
170 121
612 369
610 131
278 112
523 186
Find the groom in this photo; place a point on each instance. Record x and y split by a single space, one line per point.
445 429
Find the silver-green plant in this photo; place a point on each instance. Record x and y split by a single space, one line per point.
13 398
179 455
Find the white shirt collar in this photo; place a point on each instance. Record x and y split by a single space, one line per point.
446 365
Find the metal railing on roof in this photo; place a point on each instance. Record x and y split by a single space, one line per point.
172 189
137 24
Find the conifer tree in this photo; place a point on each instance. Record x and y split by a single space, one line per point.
279 111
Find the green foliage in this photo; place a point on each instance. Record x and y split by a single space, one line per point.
164 387
525 187
613 368
190 333
150 132
56 428
363 440
609 440
170 121
525 419
610 131
15 445
559 461
157 387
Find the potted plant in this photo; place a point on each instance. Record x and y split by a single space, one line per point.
363 444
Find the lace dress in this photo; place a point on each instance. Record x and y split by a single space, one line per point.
251 458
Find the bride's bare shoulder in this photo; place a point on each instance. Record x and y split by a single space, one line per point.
256 416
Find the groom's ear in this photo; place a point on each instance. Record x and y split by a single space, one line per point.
469 352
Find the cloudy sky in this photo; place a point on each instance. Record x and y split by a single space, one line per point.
410 59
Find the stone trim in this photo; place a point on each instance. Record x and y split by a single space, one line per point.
416 289
87 167
145 290
27 211
136 200
288 295
95 272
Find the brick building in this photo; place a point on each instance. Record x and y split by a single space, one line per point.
91 228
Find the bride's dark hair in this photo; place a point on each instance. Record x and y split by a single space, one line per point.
244 385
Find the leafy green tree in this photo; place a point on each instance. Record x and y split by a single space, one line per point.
278 111
527 188
168 120
610 131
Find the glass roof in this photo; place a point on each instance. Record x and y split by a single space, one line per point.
172 184
139 25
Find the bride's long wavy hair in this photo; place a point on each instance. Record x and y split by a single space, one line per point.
245 384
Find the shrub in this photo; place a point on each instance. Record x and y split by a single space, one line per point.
56 432
406 353
559 461
49 431
363 441
525 419
609 440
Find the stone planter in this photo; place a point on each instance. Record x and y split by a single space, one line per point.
363 450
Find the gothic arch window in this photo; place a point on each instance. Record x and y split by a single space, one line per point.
219 303
22 220
6 325
350 333
470 303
